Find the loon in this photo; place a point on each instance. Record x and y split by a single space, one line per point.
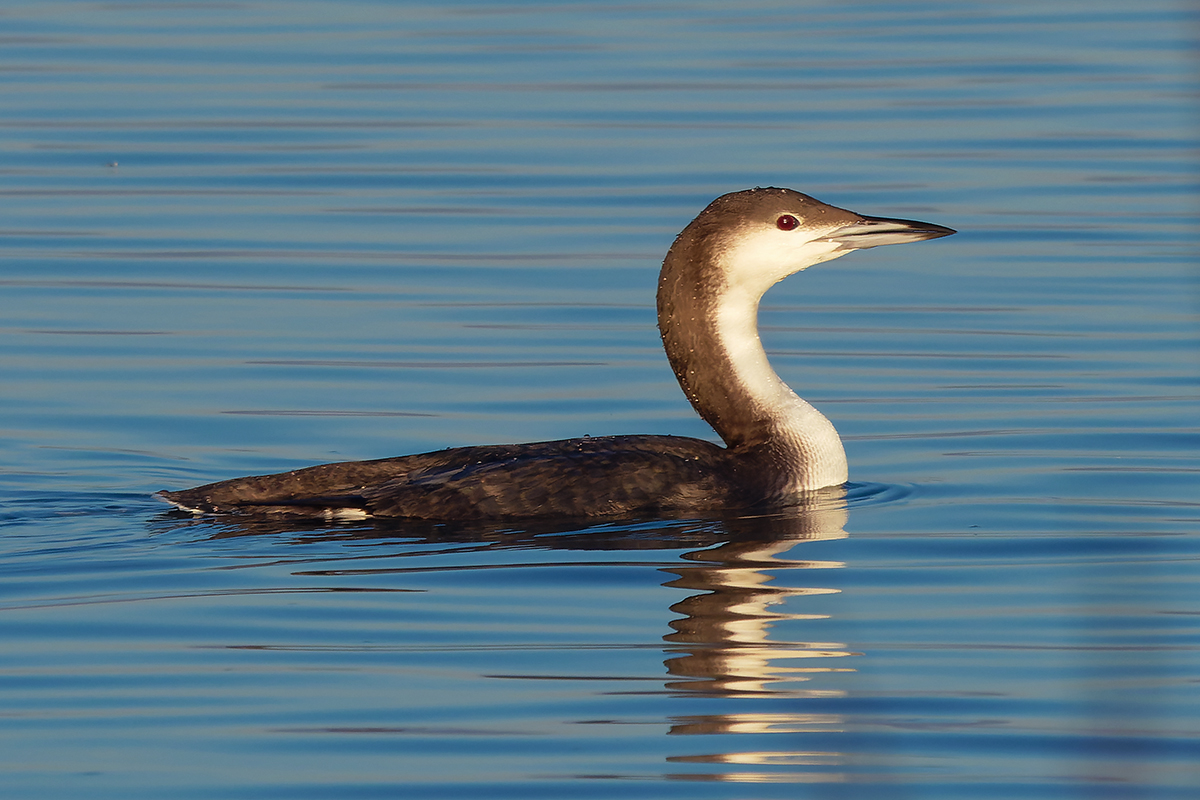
778 448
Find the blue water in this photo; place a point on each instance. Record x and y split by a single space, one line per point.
239 238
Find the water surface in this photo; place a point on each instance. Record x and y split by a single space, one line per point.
239 238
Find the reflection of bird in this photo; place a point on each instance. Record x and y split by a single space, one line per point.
778 446
724 643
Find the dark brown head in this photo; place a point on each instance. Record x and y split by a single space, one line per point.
748 241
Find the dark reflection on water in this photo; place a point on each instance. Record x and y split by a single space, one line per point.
530 650
743 575
724 642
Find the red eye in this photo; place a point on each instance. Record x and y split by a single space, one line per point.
787 223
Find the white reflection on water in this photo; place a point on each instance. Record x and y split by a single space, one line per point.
726 628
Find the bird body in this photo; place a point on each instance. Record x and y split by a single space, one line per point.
778 447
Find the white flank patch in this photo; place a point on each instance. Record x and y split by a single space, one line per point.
346 514
180 506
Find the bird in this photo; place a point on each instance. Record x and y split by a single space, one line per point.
778 449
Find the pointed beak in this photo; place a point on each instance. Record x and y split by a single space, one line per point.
874 231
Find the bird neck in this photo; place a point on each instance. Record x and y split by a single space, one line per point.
710 331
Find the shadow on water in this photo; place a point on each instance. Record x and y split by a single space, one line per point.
722 644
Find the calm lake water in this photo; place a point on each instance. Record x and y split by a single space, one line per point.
242 237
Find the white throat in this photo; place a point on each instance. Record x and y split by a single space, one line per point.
803 434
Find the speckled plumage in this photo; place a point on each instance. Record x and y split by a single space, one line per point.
600 476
